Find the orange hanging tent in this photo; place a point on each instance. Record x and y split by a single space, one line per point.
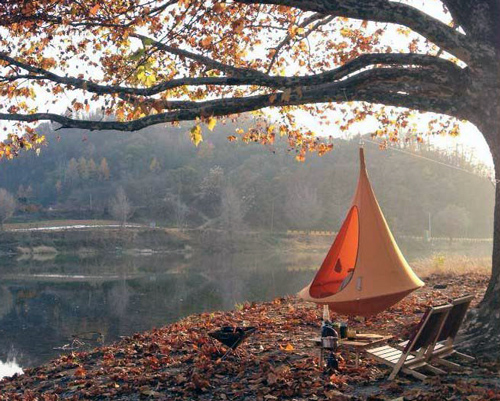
364 272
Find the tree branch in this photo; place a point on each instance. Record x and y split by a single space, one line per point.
250 77
289 37
390 12
207 61
13 78
395 87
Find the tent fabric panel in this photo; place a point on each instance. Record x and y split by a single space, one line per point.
368 306
381 276
340 260
381 269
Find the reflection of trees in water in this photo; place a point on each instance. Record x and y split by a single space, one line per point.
108 264
226 283
36 316
136 294
236 278
118 298
6 301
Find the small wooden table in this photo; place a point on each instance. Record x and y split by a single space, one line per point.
359 344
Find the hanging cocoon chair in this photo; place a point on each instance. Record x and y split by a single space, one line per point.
364 272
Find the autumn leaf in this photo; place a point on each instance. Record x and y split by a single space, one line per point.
272 378
77 106
145 75
196 136
286 95
206 41
295 30
219 7
289 347
95 9
212 121
120 114
238 25
147 41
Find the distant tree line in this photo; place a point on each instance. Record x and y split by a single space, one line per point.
82 170
159 176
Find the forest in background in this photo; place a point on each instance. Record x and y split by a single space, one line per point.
238 186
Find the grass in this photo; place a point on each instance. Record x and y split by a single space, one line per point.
452 264
441 264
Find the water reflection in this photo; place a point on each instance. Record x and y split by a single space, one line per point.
44 304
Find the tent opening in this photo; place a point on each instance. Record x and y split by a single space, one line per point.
340 261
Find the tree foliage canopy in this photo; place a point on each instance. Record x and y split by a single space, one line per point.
149 62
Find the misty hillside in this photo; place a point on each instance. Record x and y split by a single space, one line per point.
241 186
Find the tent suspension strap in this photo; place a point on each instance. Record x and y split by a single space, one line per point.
494 181
361 141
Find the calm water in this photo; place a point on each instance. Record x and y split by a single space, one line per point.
46 301
43 303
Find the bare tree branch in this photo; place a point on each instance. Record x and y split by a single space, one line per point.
289 37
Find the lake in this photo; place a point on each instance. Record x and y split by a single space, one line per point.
45 303
49 302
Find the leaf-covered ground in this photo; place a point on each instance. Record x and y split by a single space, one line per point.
278 362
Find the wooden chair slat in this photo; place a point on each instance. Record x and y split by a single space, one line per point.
389 353
380 348
394 358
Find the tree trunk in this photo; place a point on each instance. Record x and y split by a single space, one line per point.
484 326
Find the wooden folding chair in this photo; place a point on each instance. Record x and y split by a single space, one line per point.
418 350
451 326
446 340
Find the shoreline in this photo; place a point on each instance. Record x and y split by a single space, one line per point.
179 361
40 240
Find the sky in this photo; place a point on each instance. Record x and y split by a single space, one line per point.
471 140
